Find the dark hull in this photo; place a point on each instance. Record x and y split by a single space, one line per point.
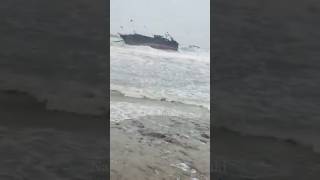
140 40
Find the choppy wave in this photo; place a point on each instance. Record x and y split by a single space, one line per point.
63 95
295 136
140 71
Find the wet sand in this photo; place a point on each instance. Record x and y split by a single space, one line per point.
159 147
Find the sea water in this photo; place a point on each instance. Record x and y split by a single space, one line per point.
153 75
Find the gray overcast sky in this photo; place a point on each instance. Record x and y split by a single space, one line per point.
188 21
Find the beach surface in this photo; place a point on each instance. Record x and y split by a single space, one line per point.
159 146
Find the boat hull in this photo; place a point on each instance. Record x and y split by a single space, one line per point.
140 40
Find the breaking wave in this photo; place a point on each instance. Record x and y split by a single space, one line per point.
141 71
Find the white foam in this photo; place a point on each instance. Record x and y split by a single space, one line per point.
140 71
126 110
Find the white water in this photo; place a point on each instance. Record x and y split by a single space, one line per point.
128 110
140 71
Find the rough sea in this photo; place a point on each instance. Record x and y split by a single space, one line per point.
151 76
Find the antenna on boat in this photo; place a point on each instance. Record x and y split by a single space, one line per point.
131 21
168 36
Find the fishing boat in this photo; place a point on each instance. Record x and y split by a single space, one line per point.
157 41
